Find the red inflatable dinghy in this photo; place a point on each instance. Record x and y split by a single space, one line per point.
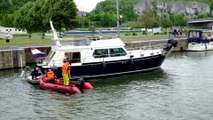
75 86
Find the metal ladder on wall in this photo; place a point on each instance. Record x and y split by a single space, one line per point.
15 59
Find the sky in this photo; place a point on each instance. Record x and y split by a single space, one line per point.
86 5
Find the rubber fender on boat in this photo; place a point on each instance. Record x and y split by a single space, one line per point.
131 59
87 86
104 64
76 90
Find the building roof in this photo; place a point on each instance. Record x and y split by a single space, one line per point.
200 21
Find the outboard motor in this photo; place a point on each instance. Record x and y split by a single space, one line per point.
171 43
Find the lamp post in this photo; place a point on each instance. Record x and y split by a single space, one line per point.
118 17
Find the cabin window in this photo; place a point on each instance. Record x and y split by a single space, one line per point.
100 53
117 52
74 57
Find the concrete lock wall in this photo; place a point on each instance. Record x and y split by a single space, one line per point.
13 58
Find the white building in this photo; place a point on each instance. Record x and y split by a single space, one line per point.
12 30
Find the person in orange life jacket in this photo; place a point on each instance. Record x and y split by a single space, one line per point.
50 76
66 72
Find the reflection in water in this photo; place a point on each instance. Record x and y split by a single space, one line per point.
181 89
156 75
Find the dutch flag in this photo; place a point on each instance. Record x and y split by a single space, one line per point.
37 53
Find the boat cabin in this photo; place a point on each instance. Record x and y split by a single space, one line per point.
97 51
198 36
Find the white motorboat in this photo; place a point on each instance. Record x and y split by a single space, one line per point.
105 57
199 41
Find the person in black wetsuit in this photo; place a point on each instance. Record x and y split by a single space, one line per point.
35 73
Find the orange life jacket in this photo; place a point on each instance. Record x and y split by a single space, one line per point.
65 68
50 75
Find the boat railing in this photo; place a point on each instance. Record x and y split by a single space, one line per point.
148 47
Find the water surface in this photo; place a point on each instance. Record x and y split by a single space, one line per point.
181 90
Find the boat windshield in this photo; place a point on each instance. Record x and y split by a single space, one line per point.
50 56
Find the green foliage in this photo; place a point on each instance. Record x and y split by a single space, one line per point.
125 6
170 20
82 22
23 19
35 16
103 20
201 16
211 4
7 20
178 20
165 21
147 18
108 20
61 12
7 8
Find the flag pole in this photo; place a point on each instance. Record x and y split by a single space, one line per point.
118 17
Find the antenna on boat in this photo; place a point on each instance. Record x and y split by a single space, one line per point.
55 36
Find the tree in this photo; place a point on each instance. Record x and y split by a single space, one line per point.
147 18
211 4
7 20
108 20
39 24
165 21
178 20
125 6
61 12
7 8
95 18
201 16
23 19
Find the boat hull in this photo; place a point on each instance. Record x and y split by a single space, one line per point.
33 81
58 87
110 68
198 47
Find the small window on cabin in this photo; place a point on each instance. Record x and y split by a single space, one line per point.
74 57
100 53
117 52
